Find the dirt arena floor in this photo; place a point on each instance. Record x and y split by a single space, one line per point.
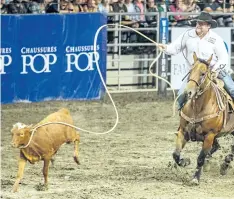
132 162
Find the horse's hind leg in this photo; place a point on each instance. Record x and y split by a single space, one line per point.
180 143
215 147
227 160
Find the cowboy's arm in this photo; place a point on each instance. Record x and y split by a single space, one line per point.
175 47
222 55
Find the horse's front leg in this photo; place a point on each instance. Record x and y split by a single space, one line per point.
180 143
215 147
207 145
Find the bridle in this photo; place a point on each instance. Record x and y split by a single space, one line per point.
202 81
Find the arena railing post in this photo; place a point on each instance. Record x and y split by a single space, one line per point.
163 61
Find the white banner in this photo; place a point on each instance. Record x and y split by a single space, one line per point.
179 67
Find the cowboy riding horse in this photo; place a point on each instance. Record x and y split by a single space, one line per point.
207 115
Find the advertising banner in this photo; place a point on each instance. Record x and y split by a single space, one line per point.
164 24
51 57
163 65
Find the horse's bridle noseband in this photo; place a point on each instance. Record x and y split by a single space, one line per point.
203 78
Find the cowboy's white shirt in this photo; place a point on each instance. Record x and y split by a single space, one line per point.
210 44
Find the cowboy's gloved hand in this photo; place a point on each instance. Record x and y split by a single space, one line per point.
162 47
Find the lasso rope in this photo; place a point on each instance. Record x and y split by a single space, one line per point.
98 68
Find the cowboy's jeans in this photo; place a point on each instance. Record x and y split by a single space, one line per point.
182 98
228 82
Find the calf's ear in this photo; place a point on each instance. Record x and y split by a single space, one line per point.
27 131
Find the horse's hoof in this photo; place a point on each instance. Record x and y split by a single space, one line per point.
195 181
223 169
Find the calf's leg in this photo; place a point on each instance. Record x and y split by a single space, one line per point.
76 149
45 172
21 166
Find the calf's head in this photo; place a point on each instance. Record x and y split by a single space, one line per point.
20 134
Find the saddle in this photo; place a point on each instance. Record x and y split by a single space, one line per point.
229 104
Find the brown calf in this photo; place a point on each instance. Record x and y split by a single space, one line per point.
45 142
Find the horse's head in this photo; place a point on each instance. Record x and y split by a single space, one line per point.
199 77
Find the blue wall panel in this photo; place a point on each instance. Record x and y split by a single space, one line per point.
46 57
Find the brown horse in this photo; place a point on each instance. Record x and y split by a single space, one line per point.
204 117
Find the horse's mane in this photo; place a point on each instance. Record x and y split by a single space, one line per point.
203 61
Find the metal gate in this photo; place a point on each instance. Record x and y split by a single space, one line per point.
129 59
